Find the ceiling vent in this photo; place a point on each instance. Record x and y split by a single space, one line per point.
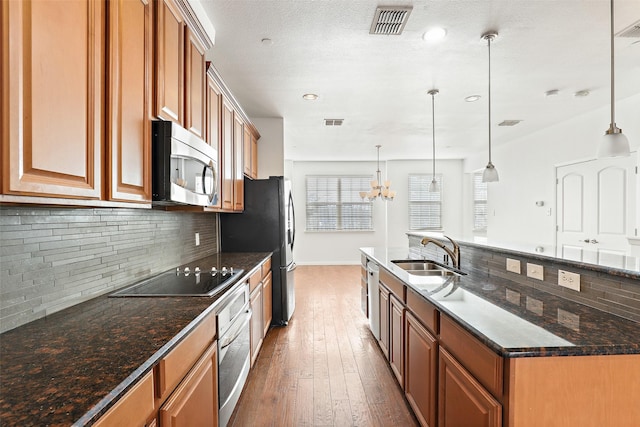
333 122
632 31
390 20
509 122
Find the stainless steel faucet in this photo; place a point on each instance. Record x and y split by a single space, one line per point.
454 253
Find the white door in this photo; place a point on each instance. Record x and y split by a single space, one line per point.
596 211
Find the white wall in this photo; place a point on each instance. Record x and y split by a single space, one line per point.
527 173
270 146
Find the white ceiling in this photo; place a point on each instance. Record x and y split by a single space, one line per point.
378 84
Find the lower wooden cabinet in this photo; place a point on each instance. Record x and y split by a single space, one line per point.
384 320
396 338
421 373
257 330
462 400
134 408
195 401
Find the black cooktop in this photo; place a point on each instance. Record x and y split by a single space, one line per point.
180 283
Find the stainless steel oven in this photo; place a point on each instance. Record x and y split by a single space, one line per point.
233 351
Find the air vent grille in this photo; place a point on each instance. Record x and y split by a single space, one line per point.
333 122
632 31
390 20
509 122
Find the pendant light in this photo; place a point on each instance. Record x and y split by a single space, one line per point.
613 143
490 173
379 188
434 187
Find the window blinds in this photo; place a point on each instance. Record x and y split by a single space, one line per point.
425 207
334 203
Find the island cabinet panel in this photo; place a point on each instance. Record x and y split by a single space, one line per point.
226 166
585 391
195 83
463 401
484 364
195 401
129 103
384 320
394 285
53 66
267 301
134 408
169 73
396 338
424 311
421 373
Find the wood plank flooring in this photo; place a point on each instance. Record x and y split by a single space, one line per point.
325 368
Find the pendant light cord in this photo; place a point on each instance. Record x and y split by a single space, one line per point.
489 46
433 125
613 108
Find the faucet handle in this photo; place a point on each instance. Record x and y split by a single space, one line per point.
445 259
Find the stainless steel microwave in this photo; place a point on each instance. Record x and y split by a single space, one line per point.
184 167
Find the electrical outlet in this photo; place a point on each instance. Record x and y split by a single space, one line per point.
569 280
535 271
513 265
197 239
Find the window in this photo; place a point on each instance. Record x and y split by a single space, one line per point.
425 208
334 203
479 203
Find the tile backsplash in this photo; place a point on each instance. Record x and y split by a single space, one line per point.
52 258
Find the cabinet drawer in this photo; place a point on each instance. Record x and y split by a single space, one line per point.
424 311
266 267
394 285
485 365
255 279
134 408
173 367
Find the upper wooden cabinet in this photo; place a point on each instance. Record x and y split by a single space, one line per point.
195 84
129 100
238 163
226 149
53 96
250 144
213 129
169 76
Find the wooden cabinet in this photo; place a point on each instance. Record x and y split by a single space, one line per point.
129 101
195 83
384 320
195 400
238 163
250 144
53 87
134 408
267 301
256 326
421 374
396 338
254 155
462 400
226 166
214 129
169 76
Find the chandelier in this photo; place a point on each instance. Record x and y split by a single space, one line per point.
379 188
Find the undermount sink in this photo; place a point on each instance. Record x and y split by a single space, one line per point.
424 268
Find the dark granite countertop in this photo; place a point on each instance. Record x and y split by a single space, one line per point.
516 320
71 366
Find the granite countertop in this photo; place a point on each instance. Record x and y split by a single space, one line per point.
73 365
516 320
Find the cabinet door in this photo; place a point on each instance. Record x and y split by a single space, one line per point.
462 401
384 320
129 103
226 168
254 156
421 375
396 338
169 85
195 70
267 302
238 163
257 329
214 128
195 401
247 152
53 66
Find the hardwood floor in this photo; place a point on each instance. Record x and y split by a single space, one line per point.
325 368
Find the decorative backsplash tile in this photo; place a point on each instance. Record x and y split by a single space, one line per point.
53 258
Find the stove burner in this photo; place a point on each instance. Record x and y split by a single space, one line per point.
183 283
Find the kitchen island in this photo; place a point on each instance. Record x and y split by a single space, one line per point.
73 366
483 350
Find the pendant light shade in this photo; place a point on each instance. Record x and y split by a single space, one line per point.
490 173
433 187
614 143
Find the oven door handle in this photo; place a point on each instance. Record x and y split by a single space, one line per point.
227 341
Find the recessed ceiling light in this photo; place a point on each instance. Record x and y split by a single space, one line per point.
581 93
310 96
434 34
472 98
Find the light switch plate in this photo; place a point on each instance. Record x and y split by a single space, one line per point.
569 280
513 265
535 271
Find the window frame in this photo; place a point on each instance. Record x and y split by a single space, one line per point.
423 184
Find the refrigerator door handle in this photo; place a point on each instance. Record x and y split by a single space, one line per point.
291 267
292 219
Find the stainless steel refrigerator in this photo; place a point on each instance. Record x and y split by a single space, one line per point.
266 224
